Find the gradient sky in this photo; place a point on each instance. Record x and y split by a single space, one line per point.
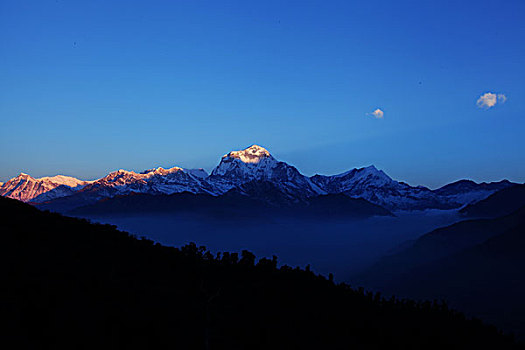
87 87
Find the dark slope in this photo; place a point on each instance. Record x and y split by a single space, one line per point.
176 203
476 265
67 203
438 244
71 284
486 280
503 202
339 205
329 205
235 204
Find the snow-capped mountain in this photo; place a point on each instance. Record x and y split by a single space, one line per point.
123 182
377 187
25 187
252 172
153 181
255 165
468 191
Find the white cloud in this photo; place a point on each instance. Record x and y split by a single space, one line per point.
378 114
489 100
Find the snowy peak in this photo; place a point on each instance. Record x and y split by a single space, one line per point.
124 177
252 154
371 169
64 180
366 174
146 173
255 164
55 180
21 177
377 187
251 163
160 171
251 172
25 187
151 181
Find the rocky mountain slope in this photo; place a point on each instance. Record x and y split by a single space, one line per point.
257 164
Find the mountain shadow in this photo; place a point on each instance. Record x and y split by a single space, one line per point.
71 284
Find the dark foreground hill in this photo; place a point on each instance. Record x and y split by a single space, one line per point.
476 265
500 203
71 284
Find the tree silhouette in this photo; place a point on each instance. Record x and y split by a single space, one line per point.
70 284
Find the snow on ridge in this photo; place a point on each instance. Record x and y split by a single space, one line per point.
159 170
252 154
252 165
254 162
24 187
64 180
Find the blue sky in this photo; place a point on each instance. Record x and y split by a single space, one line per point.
87 87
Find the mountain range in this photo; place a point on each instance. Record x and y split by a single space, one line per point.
254 173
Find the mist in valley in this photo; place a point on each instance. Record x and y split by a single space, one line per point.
343 247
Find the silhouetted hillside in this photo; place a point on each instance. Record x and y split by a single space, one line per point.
438 244
71 284
501 203
477 265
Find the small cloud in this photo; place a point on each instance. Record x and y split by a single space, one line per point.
489 100
378 114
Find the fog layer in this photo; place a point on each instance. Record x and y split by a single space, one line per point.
342 247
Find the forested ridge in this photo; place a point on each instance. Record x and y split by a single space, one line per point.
68 283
